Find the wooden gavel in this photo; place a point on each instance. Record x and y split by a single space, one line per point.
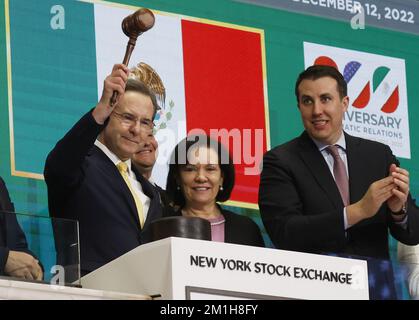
134 25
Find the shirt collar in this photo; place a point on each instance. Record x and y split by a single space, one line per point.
112 156
341 143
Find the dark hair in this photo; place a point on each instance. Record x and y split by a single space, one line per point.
138 86
319 71
179 159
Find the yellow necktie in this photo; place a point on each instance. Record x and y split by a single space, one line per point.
123 169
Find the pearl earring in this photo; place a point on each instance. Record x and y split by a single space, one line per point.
177 188
221 188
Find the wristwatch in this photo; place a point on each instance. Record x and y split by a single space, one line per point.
402 211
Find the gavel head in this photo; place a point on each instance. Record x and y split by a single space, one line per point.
137 23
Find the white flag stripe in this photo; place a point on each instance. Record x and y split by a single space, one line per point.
159 47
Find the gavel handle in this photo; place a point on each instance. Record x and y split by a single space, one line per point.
128 52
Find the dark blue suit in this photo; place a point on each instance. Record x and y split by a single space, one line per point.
302 209
85 185
11 235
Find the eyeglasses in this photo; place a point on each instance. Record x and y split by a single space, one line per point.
131 120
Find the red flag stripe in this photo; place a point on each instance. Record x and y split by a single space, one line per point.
224 88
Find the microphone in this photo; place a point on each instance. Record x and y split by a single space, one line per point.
133 26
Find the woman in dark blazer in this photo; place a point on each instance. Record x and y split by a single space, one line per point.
201 173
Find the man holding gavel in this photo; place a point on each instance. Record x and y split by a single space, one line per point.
90 177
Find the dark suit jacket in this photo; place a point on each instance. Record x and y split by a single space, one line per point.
11 235
302 209
85 185
238 229
167 209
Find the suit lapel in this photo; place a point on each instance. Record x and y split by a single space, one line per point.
121 187
118 182
150 192
356 168
315 162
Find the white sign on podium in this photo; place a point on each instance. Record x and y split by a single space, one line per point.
30 290
178 268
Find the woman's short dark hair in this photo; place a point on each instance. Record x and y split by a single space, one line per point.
319 71
179 158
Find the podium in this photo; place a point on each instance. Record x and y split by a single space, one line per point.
179 268
25 290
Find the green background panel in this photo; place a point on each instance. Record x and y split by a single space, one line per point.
55 70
